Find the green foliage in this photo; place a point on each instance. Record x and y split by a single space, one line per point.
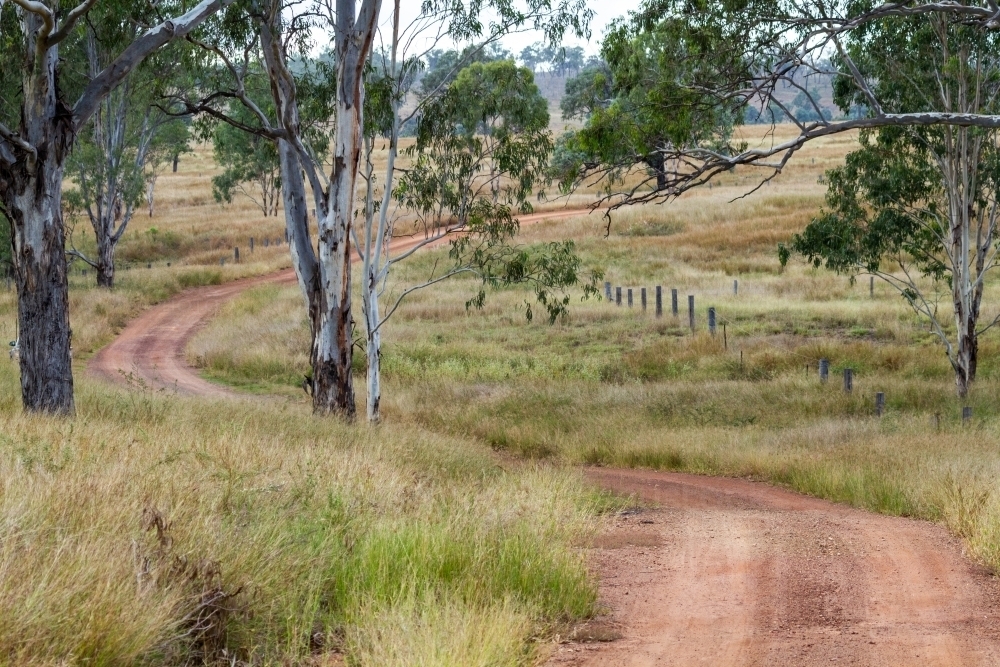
887 199
249 162
482 148
891 197
666 63
444 65
588 91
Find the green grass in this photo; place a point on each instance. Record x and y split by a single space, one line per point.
617 387
155 529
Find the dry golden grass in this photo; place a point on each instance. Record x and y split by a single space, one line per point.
425 541
615 386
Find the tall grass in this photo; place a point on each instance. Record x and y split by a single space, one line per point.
614 386
153 529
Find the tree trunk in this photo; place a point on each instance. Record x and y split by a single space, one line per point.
105 260
374 346
43 291
31 190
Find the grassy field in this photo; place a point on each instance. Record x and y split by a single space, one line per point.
153 529
157 529
616 386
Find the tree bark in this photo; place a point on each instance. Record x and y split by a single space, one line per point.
31 190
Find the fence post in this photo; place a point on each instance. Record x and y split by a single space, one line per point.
267 242
966 414
236 255
691 311
618 296
736 287
659 301
251 244
879 403
149 265
848 380
824 370
673 301
711 320
607 290
642 298
222 261
871 287
629 297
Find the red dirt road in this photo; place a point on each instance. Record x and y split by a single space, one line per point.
724 572
730 572
151 347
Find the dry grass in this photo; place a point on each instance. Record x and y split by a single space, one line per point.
614 386
123 531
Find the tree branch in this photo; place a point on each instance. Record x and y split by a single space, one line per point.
153 39
69 22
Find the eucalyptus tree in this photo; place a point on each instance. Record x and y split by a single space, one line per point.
587 92
481 151
113 162
324 271
249 164
713 61
39 126
919 80
921 201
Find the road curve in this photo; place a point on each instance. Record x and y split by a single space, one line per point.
151 347
727 572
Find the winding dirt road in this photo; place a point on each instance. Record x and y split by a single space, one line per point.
151 347
724 572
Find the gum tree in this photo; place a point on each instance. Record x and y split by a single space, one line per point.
919 80
324 269
39 125
920 201
114 159
481 151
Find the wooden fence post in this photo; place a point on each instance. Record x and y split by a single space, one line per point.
711 320
267 242
879 403
642 298
691 311
673 301
848 380
618 295
871 287
251 244
736 287
629 297
824 370
607 290
659 301
236 255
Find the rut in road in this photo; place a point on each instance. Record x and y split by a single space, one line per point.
727 572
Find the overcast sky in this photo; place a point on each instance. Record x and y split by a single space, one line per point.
604 12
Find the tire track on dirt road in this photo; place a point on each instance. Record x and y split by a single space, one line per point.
727 572
723 572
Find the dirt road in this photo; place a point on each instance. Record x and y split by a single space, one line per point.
729 572
725 572
151 347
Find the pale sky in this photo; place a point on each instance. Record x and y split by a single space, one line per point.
604 12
